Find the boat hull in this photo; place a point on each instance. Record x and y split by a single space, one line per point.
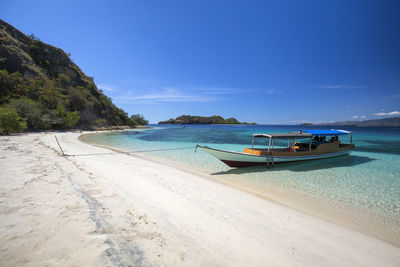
239 159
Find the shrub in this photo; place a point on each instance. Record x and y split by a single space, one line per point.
11 85
63 79
71 119
29 109
34 37
10 121
101 123
77 98
131 123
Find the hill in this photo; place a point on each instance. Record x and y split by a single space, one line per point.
47 88
386 122
188 119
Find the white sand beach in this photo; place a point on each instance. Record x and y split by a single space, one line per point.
107 209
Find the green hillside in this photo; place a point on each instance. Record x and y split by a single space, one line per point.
47 89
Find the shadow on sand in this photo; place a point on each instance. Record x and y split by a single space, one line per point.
337 162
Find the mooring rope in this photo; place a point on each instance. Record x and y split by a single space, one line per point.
122 152
129 152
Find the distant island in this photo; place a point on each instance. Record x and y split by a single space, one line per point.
188 119
386 122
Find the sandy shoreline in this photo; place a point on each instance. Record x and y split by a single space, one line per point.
117 209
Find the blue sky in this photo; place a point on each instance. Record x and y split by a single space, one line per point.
274 62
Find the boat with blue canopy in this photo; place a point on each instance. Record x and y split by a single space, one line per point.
301 145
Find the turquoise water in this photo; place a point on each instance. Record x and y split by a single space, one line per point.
369 178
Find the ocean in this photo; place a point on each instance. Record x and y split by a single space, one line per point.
361 190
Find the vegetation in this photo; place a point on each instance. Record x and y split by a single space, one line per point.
137 120
187 119
41 84
29 109
10 121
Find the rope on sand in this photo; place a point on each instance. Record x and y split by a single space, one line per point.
62 151
129 152
122 152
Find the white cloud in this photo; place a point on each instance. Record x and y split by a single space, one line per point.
387 113
340 86
215 90
166 94
106 87
183 94
305 121
358 117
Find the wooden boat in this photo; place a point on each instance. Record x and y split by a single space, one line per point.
310 144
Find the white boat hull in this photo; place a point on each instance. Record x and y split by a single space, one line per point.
240 159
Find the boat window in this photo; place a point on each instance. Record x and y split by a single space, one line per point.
333 139
261 142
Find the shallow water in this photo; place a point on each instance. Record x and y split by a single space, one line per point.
368 179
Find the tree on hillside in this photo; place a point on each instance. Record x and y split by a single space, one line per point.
10 121
137 120
29 109
69 119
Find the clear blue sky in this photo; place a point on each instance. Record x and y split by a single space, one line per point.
265 61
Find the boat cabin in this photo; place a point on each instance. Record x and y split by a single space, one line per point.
302 141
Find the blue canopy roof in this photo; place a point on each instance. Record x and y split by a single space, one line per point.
326 132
